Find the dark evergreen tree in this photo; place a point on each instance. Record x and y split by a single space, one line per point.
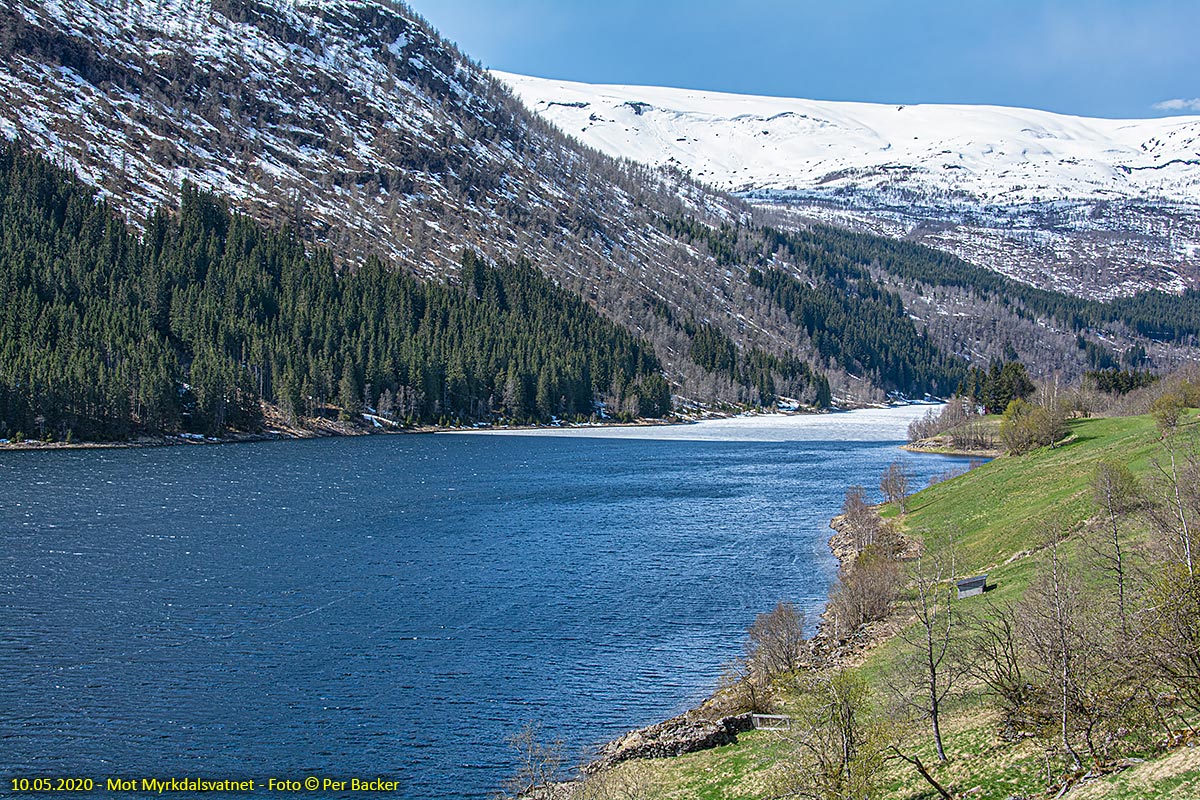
1116 381
208 315
997 386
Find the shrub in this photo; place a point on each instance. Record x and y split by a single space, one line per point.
865 591
1026 426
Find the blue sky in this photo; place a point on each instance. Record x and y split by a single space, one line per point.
1111 58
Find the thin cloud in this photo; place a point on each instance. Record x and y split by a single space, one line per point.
1179 104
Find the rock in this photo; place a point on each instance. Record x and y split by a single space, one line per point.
686 733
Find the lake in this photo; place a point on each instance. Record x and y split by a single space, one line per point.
397 605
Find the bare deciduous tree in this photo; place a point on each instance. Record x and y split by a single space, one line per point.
743 688
932 665
895 485
860 517
1175 632
1047 623
837 746
865 591
539 763
997 664
1115 490
775 642
1027 425
775 645
1176 485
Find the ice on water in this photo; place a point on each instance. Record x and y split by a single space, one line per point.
863 425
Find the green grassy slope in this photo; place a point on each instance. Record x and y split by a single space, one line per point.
996 511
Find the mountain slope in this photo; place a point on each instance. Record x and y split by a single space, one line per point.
358 126
208 316
984 177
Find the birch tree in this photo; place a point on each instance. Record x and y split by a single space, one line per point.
932 665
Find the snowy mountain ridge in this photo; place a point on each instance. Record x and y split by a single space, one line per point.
744 143
1047 198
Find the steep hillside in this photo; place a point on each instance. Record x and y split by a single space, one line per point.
1095 207
208 316
355 123
358 126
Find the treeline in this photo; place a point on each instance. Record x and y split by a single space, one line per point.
1153 314
853 321
1117 381
845 257
103 335
997 386
864 330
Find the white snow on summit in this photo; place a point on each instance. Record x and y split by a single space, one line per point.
1093 207
995 154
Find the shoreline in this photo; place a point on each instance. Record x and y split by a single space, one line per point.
277 429
935 449
328 430
984 436
710 723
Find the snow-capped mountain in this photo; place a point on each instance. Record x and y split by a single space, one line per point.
1007 156
356 124
1092 206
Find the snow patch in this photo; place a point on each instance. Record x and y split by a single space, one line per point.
398 46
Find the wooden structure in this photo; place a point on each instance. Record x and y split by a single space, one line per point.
969 587
771 722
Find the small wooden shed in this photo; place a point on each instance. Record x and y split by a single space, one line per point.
969 587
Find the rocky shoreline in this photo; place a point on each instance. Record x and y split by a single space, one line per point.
686 733
943 445
852 651
707 726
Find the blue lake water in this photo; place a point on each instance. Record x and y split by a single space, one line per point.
395 606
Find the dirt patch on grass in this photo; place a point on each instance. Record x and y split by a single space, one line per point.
1175 775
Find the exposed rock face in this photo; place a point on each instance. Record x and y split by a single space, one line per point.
686 733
